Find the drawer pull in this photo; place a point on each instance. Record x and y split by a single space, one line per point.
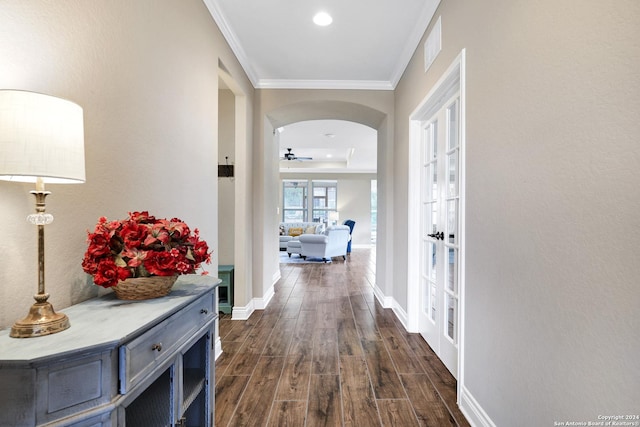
157 347
204 311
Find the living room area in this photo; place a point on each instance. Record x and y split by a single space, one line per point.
330 212
328 181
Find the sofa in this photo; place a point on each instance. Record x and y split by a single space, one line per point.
291 230
325 246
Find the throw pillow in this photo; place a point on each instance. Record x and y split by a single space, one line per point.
282 230
295 231
310 230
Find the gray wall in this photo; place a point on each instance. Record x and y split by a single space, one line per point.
552 224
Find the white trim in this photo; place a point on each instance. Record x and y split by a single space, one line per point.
463 232
400 313
242 313
284 171
325 84
428 11
231 38
453 80
218 348
441 91
385 301
262 303
473 411
276 276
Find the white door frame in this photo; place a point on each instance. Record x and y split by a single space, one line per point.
452 80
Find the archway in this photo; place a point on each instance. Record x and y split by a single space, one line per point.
267 184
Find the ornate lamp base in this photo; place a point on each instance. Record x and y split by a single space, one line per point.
41 320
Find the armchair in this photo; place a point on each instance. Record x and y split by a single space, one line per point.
332 244
351 224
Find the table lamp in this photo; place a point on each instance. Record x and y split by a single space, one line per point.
41 141
334 216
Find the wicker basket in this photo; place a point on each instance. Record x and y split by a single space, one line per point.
140 288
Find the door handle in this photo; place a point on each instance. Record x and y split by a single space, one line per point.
437 235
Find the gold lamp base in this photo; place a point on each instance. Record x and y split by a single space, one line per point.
41 320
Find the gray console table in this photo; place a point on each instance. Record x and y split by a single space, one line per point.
122 363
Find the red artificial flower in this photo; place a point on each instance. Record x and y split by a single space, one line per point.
160 264
98 245
134 257
142 217
133 234
158 233
142 246
109 274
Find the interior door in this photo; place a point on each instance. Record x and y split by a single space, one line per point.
440 243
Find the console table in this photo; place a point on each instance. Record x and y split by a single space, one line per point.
121 363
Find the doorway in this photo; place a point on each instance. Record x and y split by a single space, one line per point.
439 240
436 253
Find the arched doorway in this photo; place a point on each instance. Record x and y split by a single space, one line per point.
267 184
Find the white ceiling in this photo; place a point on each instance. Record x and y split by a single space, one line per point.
368 46
333 145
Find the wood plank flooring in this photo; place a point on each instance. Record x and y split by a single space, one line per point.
325 353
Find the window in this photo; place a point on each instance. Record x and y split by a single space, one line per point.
325 200
294 197
294 200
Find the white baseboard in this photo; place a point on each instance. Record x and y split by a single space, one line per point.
401 314
218 348
473 411
242 313
276 276
262 303
385 301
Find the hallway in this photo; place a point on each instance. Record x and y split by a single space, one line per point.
324 352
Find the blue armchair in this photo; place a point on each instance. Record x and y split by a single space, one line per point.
350 223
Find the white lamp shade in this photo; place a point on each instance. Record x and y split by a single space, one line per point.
334 215
40 137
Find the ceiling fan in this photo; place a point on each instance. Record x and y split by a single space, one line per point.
290 156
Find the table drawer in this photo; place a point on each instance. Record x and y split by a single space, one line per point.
140 357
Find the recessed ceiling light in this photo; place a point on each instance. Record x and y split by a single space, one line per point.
329 155
330 135
323 19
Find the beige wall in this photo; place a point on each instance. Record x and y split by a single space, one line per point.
552 224
226 186
146 74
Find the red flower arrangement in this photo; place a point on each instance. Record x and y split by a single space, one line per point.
142 246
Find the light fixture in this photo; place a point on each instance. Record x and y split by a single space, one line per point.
41 141
322 19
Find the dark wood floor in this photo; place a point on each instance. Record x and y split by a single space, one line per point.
325 353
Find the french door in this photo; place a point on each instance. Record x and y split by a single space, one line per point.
439 239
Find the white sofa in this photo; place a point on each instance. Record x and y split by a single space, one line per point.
325 246
285 229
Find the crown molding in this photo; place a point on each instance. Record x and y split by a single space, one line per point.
324 84
231 38
426 15
284 171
